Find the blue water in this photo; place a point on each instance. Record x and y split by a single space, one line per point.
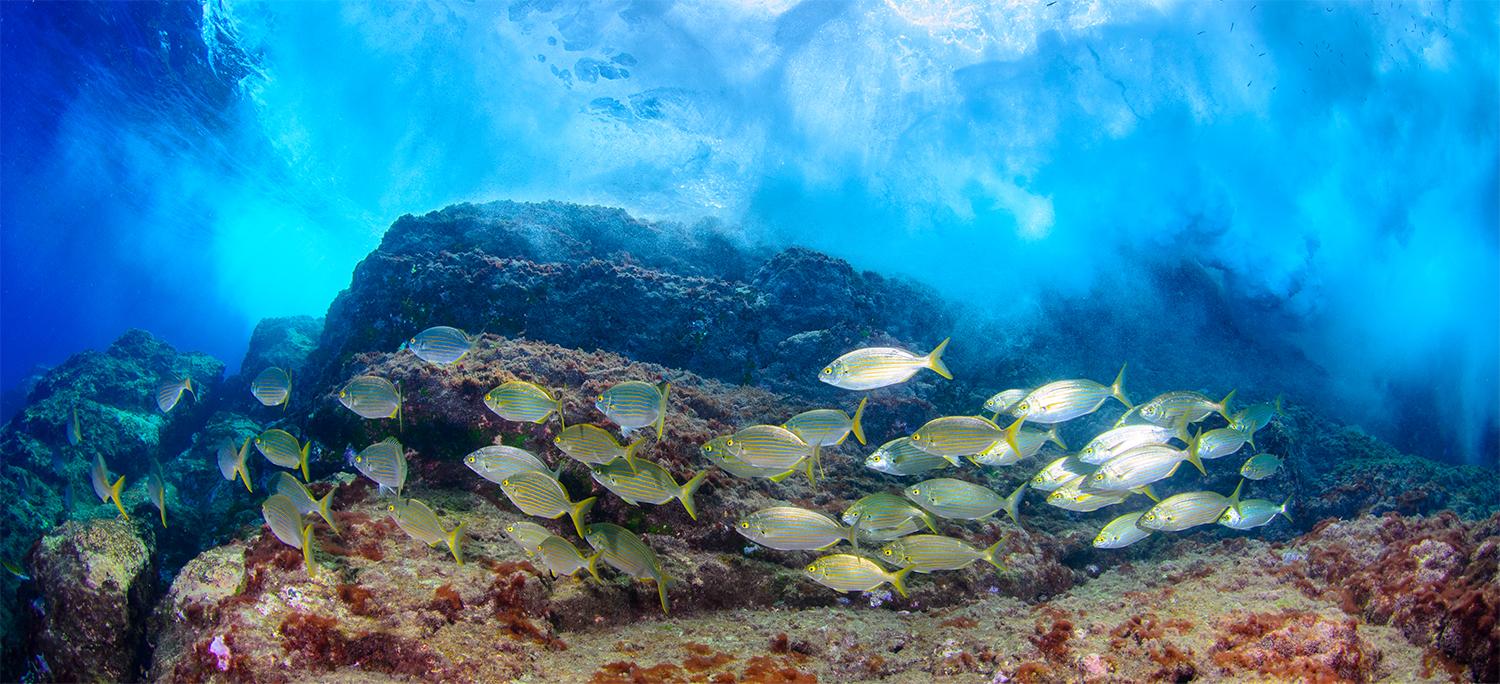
192 168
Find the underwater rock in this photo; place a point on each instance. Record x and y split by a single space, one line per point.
97 583
114 393
583 277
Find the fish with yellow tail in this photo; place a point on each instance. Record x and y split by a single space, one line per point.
845 572
648 483
774 447
561 557
1181 409
633 405
1064 400
285 522
440 345
1030 441
1121 532
232 462
953 437
955 499
281 448
542 495
169 394
828 427
99 476
932 552
622 550
873 367
302 497
790 528
418 520
524 402
384 462
1253 513
372 397
885 511
595 446
272 387
1139 467
1187 510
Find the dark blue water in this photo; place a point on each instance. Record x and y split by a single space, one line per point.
192 168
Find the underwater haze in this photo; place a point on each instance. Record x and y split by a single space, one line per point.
193 168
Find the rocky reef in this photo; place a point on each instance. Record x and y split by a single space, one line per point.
1387 572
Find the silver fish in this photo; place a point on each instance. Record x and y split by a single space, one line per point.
1116 441
789 528
873 367
1121 532
828 427
497 462
1254 513
441 345
950 498
169 394
633 405
900 457
385 463
1261 466
272 387
372 397
1189 509
1139 467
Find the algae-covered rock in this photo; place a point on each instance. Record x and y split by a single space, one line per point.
97 582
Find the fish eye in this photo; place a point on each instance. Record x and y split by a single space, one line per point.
359 459
343 393
390 507
917 437
828 370
470 459
510 528
1150 516
599 398
504 483
886 551
1098 476
744 524
812 568
915 490
728 442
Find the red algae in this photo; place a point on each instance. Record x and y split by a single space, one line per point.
630 673
1053 641
320 645
447 601
358 600
1294 646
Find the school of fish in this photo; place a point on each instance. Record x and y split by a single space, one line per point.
890 534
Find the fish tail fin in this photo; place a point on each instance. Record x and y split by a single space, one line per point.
302 460
661 420
685 494
400 419
1053 437
661 590
931 522
992 555
1117 388
1013 503
187 384
456 542
287 401
853 535
579 510
325 509
898 579
163 509
1224 403
859 412
307 554
1011 432
1284 504
817 455
562 423
812 478
1280 409
593 566
1234 499
114 495
934 359
1193 458
630 452
1146 491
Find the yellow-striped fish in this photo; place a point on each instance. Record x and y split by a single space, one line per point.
497 462
523 402
885 511
75 429
845 572
1139 467
372 397
234 462
1005 401
773 447
828 427
1064 400
272 387
385 463
156 488
931 552
955 436
281 448
886 534
1189 509
1118 440
717 451
947 497
563 558
1261 466
593 445
527 535
900 457
648 483
627 553
1120 532
302 497
873 367
1253 513
1071 497
1180 409
542 495
169 394
286 523
99 475
441 345
789 528
1054 474
1217 443
1030 441
417 520
633 405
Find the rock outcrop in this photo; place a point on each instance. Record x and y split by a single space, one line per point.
96 582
